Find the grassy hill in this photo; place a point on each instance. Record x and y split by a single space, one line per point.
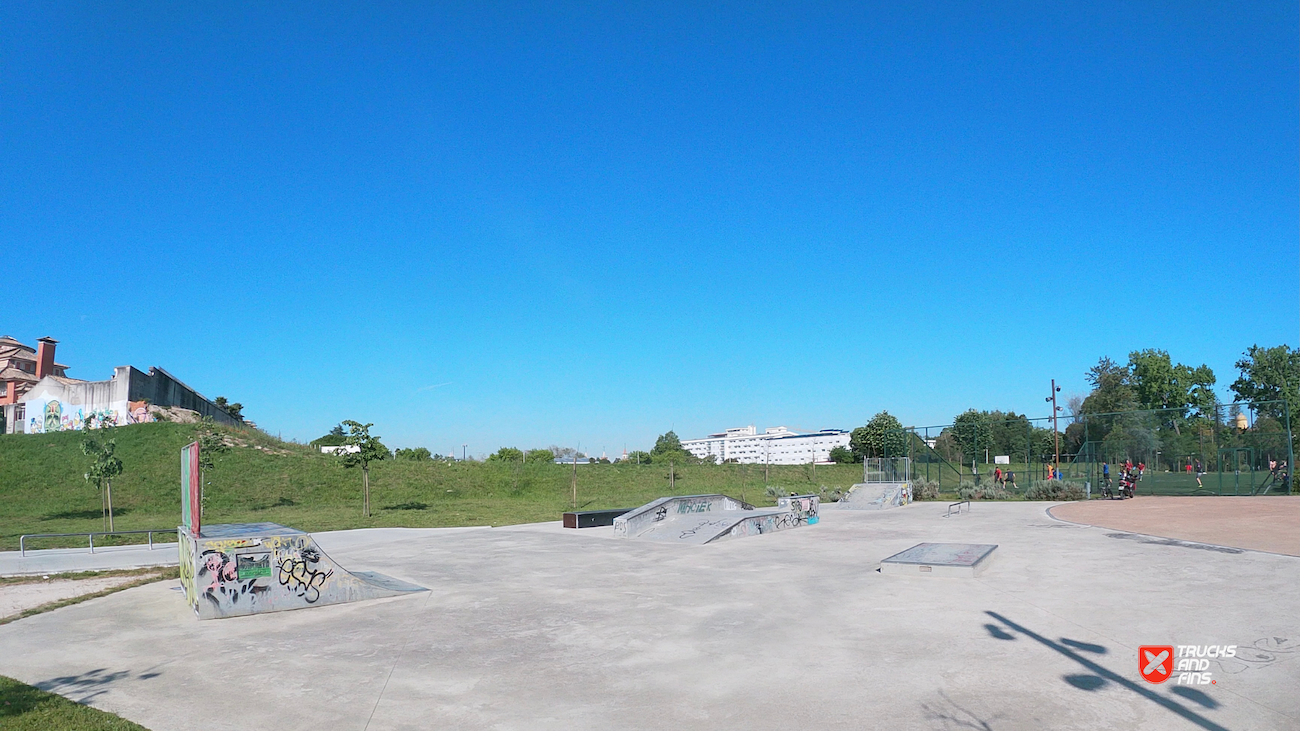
263 479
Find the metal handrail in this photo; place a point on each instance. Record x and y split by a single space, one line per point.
22 540
958 505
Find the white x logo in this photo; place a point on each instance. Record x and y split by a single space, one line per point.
1156 662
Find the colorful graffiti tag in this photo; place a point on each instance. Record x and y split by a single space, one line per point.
53 415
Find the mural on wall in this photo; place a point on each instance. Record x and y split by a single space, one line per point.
53 415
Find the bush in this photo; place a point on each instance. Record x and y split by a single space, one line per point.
970 491
925 490
1055 490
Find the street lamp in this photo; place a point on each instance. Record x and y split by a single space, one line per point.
1056 434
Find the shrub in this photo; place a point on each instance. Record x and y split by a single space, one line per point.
970 491
1055 490
925 490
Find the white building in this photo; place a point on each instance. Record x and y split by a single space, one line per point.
776 445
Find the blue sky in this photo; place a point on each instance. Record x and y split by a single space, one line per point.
534 224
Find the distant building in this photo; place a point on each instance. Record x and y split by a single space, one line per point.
43 399
341 449
776 445
21 366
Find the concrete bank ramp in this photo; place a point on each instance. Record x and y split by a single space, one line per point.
876 496
711 518
250 568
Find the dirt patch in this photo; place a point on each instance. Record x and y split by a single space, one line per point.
1258 523
17 598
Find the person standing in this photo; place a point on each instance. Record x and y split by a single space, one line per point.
1199 472
997 477
1105 473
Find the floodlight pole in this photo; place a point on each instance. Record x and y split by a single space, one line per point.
1056 434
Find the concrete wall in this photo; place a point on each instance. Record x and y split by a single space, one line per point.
55 404
161 388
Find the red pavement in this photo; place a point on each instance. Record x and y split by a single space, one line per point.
1259 523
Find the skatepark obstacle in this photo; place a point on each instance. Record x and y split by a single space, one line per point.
876 496
250 568
941 559
700 519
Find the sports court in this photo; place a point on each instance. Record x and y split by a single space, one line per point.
537 626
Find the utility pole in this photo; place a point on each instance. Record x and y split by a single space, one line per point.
574 482
464 452
1056 434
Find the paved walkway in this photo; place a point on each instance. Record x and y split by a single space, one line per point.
1258 523
109 558
536 627
105 558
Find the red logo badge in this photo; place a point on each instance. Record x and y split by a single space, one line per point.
1156 662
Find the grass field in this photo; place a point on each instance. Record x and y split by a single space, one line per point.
24 708
263 479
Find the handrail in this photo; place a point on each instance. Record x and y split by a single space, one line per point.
958 504
22 540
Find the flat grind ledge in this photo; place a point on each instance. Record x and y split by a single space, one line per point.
940 559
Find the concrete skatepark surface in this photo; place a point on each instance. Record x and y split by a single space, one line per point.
1268 523
538 627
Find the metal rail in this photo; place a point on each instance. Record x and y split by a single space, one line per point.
22 540
958 506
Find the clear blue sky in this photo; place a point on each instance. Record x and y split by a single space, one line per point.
587 225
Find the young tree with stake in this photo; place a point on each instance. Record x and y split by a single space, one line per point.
360 449
104 466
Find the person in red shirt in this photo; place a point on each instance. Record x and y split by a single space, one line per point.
997 476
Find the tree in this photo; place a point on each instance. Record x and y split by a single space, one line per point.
507 454
1111 389
667 443
668 448
973 434
843 455
368 449
104 466
639 457
1270 374
882 436
538 456
235 410
211 445
417 454
335 438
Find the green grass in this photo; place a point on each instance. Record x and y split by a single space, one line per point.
42 489
24 708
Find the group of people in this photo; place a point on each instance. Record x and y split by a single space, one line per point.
1004 479
1129 476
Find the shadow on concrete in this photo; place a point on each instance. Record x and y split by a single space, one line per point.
1085 646
952 715
1194 696
1103 674
88 685
998 632
1086 682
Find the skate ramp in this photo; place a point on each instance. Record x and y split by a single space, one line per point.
697 519
250 568
876 496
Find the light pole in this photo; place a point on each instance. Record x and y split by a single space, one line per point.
464 452
1056 434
